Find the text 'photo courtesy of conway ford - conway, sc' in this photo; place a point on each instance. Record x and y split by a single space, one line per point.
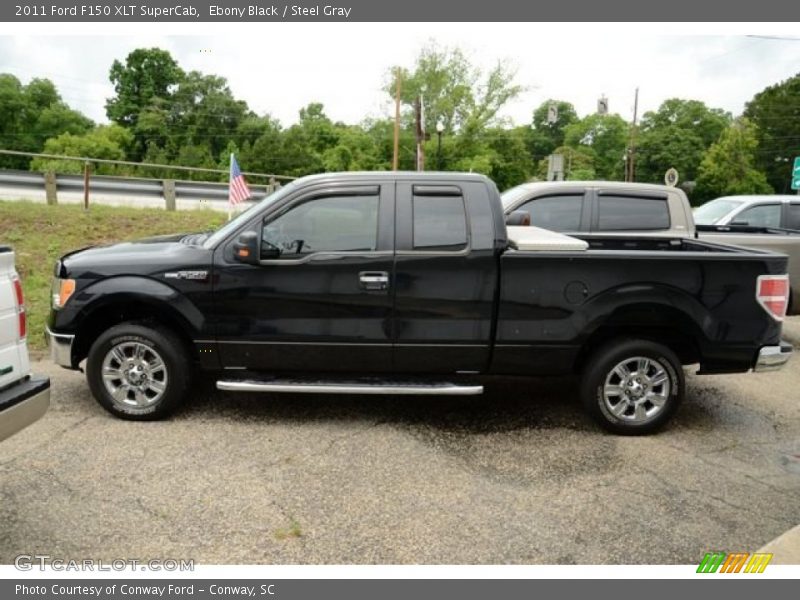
413 283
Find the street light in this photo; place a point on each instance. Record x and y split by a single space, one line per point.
439 132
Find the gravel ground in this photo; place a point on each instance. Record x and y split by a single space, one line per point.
515 476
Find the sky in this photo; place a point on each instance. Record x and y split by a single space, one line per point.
279 68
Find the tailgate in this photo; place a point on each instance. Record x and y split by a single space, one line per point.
13 353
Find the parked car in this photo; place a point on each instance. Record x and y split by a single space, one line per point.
616 209
24 398
751 211
411 283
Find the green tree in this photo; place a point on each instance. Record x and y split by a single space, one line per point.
32 113
677 135
104 141
455 92
776 113
605 137
144 87
728 167
544 137
146 74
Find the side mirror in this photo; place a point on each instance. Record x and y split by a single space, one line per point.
518 218
245 249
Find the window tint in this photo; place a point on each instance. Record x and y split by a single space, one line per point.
794 216
440 223
766 215
623 213
713 211
328 224
557 213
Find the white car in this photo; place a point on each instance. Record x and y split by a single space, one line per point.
24 398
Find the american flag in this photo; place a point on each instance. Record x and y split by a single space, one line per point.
237 188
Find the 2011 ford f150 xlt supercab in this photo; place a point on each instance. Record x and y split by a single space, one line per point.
410 283
24 398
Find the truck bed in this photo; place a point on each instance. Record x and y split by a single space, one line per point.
552 303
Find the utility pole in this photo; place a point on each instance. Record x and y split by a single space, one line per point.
395 157
631 174
420 134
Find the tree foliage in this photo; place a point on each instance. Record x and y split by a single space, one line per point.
775 112
162 114
605 138
105 142
32 113
677 135
728 167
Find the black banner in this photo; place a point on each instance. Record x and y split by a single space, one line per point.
405 10
407 589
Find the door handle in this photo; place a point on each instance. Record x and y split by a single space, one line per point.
374 281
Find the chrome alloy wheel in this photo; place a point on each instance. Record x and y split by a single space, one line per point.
134 375
636 389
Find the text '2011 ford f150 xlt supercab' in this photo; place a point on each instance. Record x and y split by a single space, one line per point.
411 283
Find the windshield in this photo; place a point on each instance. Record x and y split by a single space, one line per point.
231 226
510 196
713 211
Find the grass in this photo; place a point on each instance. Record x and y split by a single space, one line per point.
293 531
40 234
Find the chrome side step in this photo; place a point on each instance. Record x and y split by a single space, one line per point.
350 387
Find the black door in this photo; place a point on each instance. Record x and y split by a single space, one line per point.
445 279
320 298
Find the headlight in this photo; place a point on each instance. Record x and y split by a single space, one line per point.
62 290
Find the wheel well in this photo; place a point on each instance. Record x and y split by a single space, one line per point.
102 319
663 325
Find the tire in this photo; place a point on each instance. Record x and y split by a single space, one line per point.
649 372
153 371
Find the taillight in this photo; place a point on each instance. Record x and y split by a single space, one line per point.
22 325
772 292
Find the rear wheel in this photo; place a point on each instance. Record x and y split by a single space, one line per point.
632 387
137 372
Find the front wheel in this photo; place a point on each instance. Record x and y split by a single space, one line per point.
632 387
137 372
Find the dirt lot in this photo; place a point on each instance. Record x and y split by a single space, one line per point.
515 476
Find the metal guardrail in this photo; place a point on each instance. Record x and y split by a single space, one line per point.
167 189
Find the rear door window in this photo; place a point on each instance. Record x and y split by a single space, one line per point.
793 218
557 213
764 215
440 223
631 213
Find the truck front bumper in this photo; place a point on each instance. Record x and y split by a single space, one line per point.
772 358
22 404
60 348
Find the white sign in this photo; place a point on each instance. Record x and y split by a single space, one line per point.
671 177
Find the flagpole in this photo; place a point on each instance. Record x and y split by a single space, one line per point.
230 177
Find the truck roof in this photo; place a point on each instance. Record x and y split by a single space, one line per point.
399 175
610 185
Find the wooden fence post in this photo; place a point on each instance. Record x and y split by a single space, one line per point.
87 168
50 188
168 190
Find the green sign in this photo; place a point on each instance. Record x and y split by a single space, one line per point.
796 174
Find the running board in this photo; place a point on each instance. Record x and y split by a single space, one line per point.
300 386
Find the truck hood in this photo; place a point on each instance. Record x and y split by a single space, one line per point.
147 256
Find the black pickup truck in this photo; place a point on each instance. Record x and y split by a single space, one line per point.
409 283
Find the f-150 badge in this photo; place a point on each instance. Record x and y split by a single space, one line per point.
187 275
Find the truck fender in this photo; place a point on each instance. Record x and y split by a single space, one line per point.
169 303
